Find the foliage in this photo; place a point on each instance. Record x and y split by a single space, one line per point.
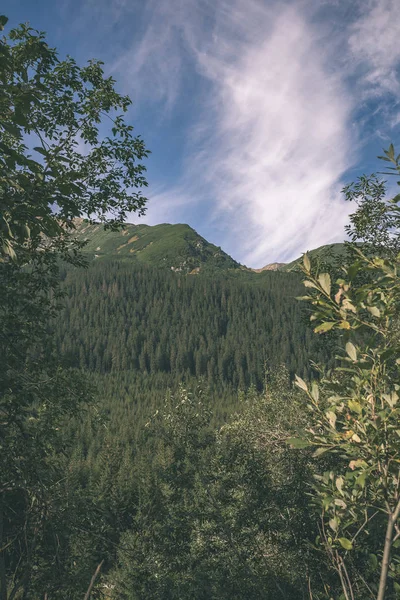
120 317
355 413
375 224
56 163
221 514
58 158
323 258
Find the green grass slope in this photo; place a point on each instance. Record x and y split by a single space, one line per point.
176 247
329 254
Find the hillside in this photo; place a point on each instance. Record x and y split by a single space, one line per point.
327 254
177 247
275 266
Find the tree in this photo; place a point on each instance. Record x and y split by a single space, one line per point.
65 152
376 222
82 159
221 513
354 409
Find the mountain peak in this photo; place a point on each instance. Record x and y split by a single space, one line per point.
276 266
176 247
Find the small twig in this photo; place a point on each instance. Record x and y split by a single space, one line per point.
396 537
92 581
367 520
309 588
350 587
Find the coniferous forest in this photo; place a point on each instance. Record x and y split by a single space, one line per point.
173 425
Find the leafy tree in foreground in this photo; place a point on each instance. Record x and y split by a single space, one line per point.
65 152
375 224
355 409
82 159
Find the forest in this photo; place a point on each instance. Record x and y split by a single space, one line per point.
172 435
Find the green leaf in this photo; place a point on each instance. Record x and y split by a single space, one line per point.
373 560
15 131
325 282
333 524
353 270
345 543
3 21
315 391
331 418
351 351
298 443
41 150
374 310
388 353
301 383
320 451
323 327
361 479
355 406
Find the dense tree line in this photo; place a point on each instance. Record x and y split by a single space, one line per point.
227 330
184 508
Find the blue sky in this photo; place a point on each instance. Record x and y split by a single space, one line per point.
256 111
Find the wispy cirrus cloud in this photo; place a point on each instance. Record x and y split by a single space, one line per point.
272 135
375 52
282 120
272 129
374 44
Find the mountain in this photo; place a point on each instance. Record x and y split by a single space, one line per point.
175 247
179 248
276 266
328 254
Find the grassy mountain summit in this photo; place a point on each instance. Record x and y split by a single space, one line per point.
176 247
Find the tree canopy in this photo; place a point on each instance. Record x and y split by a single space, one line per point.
66 149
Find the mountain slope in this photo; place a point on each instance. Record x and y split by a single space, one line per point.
275 266
330 253
175 247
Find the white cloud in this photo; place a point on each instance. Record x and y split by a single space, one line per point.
274 135
152 67
272 138
374 44
281 136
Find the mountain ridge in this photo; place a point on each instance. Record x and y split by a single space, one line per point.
177 247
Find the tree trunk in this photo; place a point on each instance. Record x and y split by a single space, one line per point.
386 558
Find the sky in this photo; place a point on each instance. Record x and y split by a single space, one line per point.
256 112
